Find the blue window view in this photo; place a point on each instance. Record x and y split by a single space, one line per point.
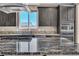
23 15
33 19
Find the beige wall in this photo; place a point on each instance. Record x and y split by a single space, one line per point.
77 26
8 28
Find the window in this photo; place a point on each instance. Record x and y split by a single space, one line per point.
33 19
23 15
28 19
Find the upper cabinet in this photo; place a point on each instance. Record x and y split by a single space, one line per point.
48 16
7 19
67 13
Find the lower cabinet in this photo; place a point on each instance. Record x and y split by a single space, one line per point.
27 46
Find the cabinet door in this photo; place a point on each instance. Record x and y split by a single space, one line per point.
71 14
7 19
33 45
66 14
48 16
22 47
